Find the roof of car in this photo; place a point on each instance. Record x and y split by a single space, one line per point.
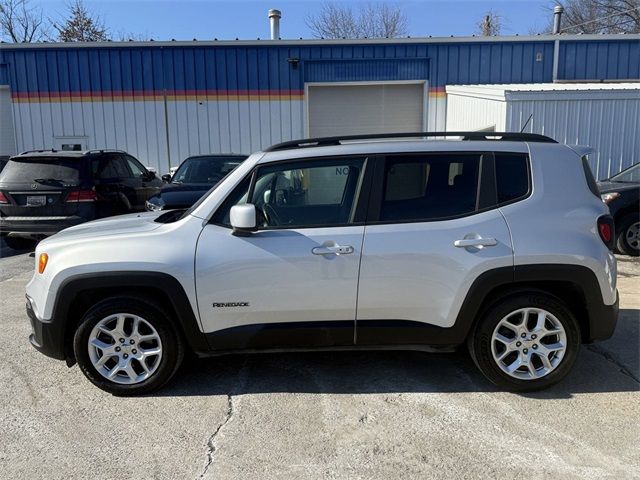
220 155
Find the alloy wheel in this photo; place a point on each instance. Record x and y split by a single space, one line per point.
528 343
125 348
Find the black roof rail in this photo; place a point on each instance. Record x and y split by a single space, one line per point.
103 150
53 150
330 141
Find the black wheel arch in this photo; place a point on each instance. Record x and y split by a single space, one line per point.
79 293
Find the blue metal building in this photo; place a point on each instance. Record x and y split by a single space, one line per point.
163 101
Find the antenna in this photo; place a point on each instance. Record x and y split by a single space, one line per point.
526 123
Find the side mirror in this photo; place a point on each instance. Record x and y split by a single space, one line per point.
166 177
243 219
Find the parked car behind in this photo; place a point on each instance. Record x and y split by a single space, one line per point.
622 193
193 178
43 192
3 161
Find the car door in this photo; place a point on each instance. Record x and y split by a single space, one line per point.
150 183
138 182
293 282
111 176
432 230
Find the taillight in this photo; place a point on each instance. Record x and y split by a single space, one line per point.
606 230
82 196
3 198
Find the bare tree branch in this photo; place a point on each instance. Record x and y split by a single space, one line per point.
372 20
21 22
490 25
81 25
598 16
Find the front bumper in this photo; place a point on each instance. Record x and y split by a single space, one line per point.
37 226
602 320
47 336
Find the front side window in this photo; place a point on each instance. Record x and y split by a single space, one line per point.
301 194
136 168
429 186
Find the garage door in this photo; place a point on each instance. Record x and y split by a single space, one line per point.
7 139
356 109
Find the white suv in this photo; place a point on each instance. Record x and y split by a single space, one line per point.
496 240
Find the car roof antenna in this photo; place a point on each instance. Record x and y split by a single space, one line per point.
526 123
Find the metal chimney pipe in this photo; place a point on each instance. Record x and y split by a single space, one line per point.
274 21
557 19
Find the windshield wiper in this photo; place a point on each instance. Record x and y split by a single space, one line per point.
49 180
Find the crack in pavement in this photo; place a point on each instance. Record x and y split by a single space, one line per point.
607 356
211 445
212 448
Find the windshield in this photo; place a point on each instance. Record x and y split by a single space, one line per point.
205 170
630 175
45 170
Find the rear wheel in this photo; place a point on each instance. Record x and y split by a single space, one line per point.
20 243
526 342
628 235
127 346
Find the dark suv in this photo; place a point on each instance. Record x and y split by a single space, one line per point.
45 191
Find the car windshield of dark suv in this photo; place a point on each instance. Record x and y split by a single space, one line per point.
205 170
53 171
630 175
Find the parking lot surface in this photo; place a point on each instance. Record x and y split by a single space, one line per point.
320 415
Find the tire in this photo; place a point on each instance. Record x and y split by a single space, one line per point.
628 235
485 349
155 330
20 243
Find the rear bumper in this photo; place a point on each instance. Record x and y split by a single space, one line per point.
47 337
37 226
602 320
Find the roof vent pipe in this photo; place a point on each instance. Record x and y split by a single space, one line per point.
557 19
274 21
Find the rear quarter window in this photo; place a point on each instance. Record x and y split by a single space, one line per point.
512 176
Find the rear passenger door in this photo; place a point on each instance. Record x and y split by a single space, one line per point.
433 228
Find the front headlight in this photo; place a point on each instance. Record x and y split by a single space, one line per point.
152 207
609 197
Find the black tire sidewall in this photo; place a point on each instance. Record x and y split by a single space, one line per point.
480 342
172 345
621 233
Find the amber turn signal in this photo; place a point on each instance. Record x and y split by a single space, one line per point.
42 262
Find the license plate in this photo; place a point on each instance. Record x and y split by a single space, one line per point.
36 200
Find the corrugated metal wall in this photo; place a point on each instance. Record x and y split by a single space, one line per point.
466 113
164 101
607 121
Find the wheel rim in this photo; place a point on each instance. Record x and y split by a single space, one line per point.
125 348
528 343
632 235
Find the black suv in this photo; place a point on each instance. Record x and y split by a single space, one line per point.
45 191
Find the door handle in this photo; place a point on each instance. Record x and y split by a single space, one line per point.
332 250
475 242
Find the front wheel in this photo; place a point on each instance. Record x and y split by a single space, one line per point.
526 342
127 346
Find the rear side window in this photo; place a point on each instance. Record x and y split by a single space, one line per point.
109 167
50 170
430 186
588 174
512 176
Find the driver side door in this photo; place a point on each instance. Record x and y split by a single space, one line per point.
293 282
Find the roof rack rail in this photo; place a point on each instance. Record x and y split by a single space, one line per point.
104 150
38 151
331 141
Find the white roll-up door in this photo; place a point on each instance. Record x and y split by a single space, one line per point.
7 138
365 108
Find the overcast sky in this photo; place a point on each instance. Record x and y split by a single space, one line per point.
247 19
